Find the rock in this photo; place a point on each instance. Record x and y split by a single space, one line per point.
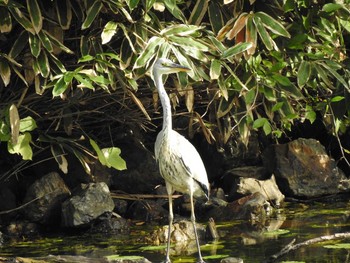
268 188
230 176
147 210
22 230
91 201
303 169
182 232
231 260
254 207
45 196
110 224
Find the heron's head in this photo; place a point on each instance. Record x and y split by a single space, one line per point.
166 66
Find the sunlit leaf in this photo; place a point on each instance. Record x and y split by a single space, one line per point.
113 158
14 123
215 69
188 42
238 26
92 13
35 15
251 36
27 124
148 52
236 49
100 154
264 35
272 24
22 146
179 30
108 31
171 5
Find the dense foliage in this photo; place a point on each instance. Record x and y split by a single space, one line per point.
72 71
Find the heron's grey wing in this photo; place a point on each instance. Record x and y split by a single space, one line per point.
191 160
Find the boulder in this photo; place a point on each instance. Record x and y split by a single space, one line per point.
304 170
268 188
87 204
44 198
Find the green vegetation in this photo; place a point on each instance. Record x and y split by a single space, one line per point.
74 72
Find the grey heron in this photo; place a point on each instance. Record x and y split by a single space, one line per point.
179 162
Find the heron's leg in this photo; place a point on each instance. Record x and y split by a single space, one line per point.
193 219
171 217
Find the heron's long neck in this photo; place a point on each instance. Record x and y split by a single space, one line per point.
164 99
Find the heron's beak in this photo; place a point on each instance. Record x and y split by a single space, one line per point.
178 67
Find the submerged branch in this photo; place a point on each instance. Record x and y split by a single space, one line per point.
291 246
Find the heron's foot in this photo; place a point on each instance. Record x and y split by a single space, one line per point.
200 260
167 260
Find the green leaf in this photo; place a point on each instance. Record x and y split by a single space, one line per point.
272 24
179 30
174 9
100 154
331 7
35 45
304 73
45 41
109 31
337 98
27 124
19 44
92 13
258 123
236 49
113 158
148 52
22 146
84 82
265 37
60 86
57 43
64 13
5 20
5 72
188 43
5 133
310 114
43 64
277 106
215 69
284 81
22 19
198 12
215 17
132 3
35 15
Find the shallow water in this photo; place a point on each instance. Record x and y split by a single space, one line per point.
238 239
